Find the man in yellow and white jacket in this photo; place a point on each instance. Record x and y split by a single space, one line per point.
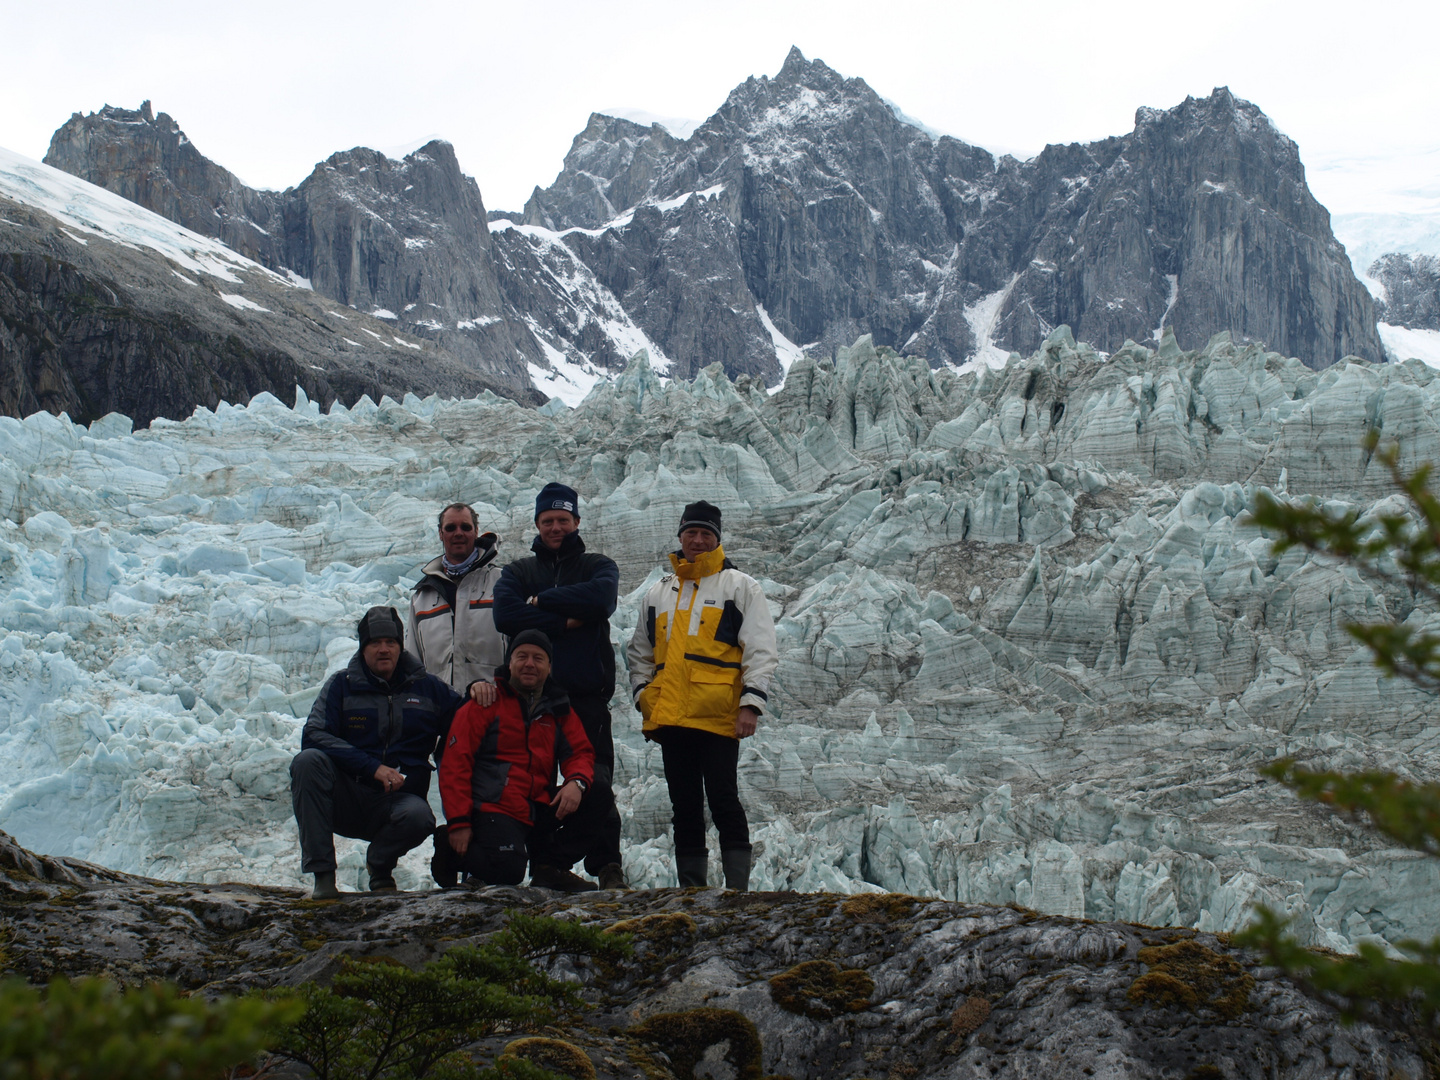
700 665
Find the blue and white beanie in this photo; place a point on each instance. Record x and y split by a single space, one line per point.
557 497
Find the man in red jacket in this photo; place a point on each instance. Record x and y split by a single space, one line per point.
499 765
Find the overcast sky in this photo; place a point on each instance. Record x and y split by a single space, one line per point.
268 88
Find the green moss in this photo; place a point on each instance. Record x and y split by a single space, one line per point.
557 1055
821 990
685 1036
1190 975
878 907
670 929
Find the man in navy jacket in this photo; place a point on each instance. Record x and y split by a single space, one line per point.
363 769
569 594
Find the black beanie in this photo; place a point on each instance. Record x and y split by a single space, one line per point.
557 497
530 637
701 515
381 622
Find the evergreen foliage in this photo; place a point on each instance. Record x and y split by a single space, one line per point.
90 1029
1398 548
379 1020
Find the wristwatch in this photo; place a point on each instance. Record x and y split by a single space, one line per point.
584 787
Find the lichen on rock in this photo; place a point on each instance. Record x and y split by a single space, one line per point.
557 1055
684 1037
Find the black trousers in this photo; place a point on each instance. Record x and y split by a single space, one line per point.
701 765
592 832
500 846
328 801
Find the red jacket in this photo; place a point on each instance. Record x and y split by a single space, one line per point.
498 761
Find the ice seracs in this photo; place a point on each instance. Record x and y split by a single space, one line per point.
1030 651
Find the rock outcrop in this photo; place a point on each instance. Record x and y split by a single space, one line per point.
1412 290
832 987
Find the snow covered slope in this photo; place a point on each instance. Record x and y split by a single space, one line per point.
1029 650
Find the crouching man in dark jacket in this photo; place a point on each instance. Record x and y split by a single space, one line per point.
499 763
363 770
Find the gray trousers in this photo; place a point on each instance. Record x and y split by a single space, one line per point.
327 801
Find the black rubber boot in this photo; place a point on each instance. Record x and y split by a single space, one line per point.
382 879
325 887
691 870
737 870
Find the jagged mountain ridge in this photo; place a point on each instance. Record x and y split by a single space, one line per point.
805 207
850 220
406 241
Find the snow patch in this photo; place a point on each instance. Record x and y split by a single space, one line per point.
1403 343
1174 280
982 317
566 380
786 351
298 281
94 211
472 324
235 300
383 313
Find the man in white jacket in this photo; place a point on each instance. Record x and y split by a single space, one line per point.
700 664
452 623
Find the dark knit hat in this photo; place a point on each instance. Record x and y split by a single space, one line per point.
700 515
557 497
381 622
530 637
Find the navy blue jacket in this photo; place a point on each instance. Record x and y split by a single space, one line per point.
363 722
570 583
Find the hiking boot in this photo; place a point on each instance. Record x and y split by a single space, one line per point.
325 887
553 877
612 876
382 879
691 870
737 870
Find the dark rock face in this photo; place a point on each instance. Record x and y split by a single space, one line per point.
148 160
99 327
408 238
931 988
1412 290
848 220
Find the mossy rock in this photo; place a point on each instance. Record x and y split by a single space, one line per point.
821 990
1189 975
667 930
878 907
557 1055
968 1016
685 1036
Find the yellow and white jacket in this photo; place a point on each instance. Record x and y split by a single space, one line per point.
704 646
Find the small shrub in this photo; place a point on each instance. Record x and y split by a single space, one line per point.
821 990
1190 975
685 1036
556 1055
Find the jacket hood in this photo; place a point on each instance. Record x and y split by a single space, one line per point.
489 547
406 672
572 545
711 562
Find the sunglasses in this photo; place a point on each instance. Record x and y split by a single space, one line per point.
463 526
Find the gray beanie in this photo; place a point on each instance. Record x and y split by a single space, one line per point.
381 622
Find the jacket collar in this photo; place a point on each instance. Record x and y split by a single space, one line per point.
488 547
571 546
406 672
711 562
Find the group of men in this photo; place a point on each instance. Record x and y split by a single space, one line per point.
504 677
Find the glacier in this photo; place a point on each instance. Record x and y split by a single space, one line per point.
1030 652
